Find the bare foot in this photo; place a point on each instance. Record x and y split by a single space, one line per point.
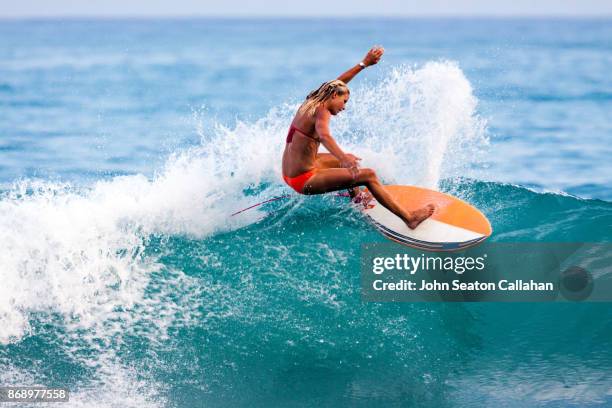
420 215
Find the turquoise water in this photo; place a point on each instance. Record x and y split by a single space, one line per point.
126 145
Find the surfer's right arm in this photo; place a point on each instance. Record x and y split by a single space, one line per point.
371 58
322 128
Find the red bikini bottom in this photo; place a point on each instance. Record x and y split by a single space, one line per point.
297 182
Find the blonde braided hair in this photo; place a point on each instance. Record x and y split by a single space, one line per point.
323 93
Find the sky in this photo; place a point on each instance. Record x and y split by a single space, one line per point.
303 8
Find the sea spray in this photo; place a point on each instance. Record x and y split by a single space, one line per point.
417 125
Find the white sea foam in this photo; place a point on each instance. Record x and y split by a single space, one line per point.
417 126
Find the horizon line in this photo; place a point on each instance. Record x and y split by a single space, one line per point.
302 16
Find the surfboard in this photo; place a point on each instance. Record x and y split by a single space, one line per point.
455 224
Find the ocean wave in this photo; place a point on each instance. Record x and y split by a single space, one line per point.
139 264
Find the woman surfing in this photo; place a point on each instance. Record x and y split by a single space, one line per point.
309 172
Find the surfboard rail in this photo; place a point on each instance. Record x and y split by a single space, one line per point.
454 226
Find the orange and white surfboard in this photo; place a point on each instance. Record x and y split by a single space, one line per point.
455 224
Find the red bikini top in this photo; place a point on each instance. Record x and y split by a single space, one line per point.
292 130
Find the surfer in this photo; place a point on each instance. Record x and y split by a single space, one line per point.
310 172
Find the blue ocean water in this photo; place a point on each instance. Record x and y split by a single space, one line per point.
127 144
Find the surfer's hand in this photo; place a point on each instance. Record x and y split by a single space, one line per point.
350 163
352 156
373 56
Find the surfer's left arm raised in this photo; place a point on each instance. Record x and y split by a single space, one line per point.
371 58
